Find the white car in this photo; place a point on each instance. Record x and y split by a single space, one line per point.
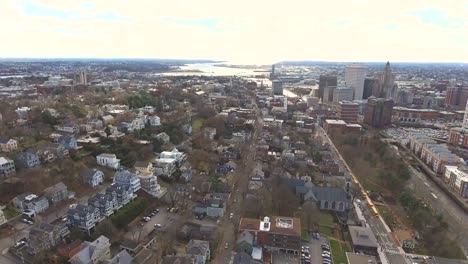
20 243
157 225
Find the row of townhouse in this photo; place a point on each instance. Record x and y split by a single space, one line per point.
102 205
457 179
436 156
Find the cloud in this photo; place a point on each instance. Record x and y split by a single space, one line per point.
440 18
242 30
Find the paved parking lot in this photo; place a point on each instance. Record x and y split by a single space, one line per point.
281 258
315 249
164 218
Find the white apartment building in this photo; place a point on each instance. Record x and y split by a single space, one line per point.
108 160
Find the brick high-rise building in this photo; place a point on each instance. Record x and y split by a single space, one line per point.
348 111
456 96
324 81
378 112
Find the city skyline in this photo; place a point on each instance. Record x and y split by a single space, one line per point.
241 31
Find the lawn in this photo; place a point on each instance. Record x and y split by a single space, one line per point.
338 250
10 212
326 218
197 124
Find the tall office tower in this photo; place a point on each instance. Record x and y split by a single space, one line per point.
456 96
277 87
348 111
272 71
328 93
83 78
355 75
343 93
387 83
324 81
378 112
371 88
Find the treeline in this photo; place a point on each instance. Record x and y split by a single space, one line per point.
432 228
129 212
144 99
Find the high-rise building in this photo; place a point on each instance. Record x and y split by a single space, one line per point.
343 93
456 96
378 112
277 87
355 75
328 92
348 111
371 88
324 81
83 78
388 88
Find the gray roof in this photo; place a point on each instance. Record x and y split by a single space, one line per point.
198 247
245 236
362 236
124 176
121 258
88 173
329 193
55 188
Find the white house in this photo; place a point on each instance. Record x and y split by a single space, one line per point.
94 252
67 127
154 120
108 160
127 179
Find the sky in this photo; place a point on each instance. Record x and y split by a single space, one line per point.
242 31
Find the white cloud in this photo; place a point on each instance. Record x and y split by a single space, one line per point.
261 30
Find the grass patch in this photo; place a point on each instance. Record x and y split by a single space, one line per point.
338 250
197 124
129 212
10 212
327 230
326 218
305 234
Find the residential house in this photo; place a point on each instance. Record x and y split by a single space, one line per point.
200 249
85 128
69 142
92 177
27 159
108 160
280 234
245 242
186 173
96 124
108 119
168 162
163 137
83 217
57 149
127 179
154 121
56 193
123 194
121 258
68 128
104 203
32 202
8 145
210 133
45 154
244 258
45 236
94 252
212 206
363 240
7 167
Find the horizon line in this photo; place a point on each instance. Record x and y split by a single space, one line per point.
224 60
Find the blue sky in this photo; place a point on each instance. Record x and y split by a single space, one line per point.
240 31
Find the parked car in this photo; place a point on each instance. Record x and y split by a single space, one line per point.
146 219
20 244
26 221
226 245
157 225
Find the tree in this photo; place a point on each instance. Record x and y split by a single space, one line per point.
310 215
106 228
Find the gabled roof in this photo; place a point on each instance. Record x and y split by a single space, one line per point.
198 247
55 188
245 236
